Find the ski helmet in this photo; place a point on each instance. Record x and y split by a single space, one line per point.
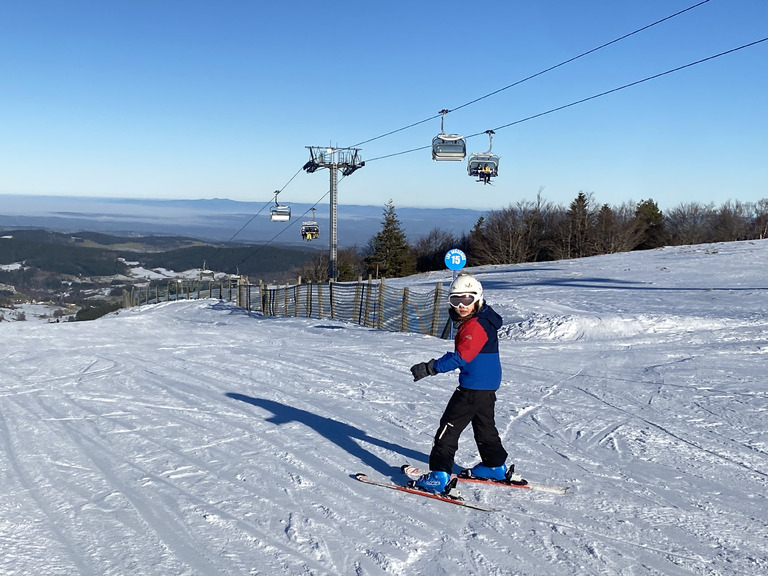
467 284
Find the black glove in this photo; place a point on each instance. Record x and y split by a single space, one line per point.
423 369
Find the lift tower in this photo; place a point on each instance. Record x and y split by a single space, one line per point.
347 160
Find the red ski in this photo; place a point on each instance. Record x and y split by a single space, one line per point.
368 480
414 473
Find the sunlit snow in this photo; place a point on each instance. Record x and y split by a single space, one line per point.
194 438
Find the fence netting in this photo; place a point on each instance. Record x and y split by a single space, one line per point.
369 303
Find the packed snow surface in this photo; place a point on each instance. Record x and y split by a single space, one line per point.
194 438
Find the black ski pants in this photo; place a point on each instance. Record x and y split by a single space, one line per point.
465 406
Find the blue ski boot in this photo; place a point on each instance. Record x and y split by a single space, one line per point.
433 482
495 474
487 473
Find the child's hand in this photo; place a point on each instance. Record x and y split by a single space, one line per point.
423 369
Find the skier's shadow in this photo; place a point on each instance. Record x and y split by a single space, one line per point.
341 434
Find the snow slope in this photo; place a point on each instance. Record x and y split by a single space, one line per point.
194 438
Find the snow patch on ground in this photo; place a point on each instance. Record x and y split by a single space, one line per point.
573 327
192 437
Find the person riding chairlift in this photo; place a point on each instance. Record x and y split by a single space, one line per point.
485 174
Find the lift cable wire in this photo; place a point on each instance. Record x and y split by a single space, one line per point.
487 96
244 226
593 97
252 218
539 115
268 242
588 98
563 63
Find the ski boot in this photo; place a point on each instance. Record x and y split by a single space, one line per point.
437 482
500 474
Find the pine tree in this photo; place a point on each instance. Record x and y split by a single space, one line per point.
649 224
581 222
388 253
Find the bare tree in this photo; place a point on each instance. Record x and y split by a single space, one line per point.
316 269
731 222
430 249
760 222
349 266
510 235
690 223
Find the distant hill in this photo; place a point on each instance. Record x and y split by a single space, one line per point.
99 254
218 220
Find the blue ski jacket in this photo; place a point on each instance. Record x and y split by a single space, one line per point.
476 353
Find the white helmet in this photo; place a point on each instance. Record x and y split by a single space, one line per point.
467 284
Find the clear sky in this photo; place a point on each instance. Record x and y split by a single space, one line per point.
200 99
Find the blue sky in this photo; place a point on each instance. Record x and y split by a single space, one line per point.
199 99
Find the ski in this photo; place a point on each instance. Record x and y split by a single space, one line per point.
368 480
414 473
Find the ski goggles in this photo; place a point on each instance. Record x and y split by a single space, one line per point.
465 300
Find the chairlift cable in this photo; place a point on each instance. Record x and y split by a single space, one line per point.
593 97
244 226
268 242
630 84
252 218
563 63
446 111
443 112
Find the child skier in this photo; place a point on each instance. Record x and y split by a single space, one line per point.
476 356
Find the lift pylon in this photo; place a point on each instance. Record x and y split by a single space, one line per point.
348 161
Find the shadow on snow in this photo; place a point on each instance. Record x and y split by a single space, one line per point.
346 437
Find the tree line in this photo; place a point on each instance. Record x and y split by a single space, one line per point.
535 231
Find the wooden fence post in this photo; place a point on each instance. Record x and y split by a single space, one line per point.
330 299
367 320
436 309
356 303
296 294
380 314
404 314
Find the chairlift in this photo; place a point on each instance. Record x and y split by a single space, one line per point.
279 212
486 165
448 146
206 274
310 230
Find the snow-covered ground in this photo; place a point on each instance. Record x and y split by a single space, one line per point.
193 438
32 311
36 312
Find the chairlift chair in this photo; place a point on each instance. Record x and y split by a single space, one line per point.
205 273
279 212
448 146
476 166
484 166
310 230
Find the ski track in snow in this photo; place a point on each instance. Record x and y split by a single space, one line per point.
194 438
